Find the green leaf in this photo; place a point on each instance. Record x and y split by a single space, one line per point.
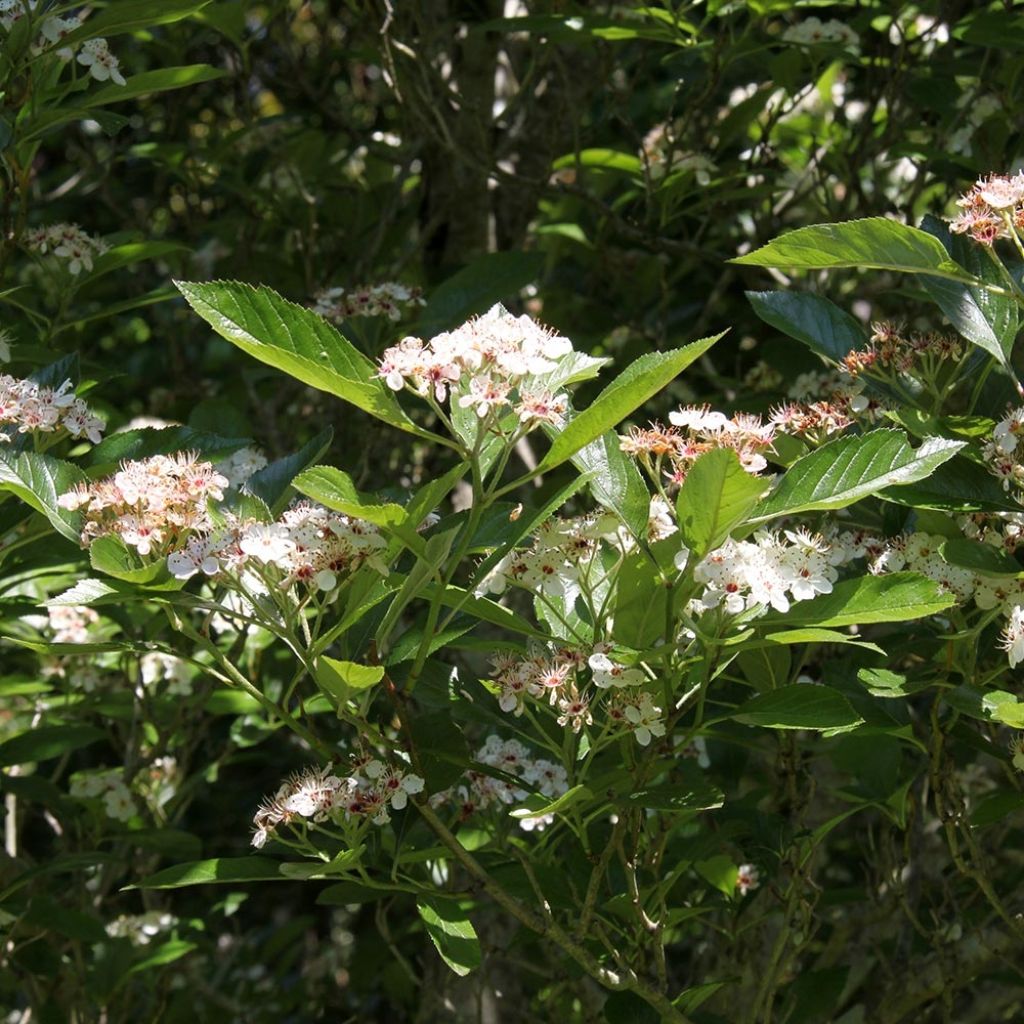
477 287
39 480
130 16
339 678
606 159
630 389
47 741
110 555
984 317
995 807
294 339
716 496
850 468
615 482
880 682
128 254
272 483
452 934
148 441
218 871
875 243
821 325
719 872
334 488
692 794
538 806
896 597
799 706
958 485
978 557
161 80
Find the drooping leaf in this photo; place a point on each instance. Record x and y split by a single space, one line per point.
452 933
875 243
627 392
131 15
799 706
716 496
148 441
850 468
821 325
216 871
294 339
146 82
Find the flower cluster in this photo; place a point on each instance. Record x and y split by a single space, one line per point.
30 408
491 362
570 680
70 623
110 786
767 571
1003 451
516 774
151 504
317 795
156 667
240 465
562 549
386 299
141 929
992 209
695 430
813 31
661 157
67 242
308 544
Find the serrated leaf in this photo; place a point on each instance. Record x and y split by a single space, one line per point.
295 340
978 557
452 934
896 597
131 15
39 480
799 706
875 243
640 380
87 592
110 555
148 441
958 485
850 468
160 80
716 496
821 325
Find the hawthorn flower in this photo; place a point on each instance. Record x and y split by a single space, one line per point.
644 719
67 242
394 784
384 299
102 64
574 710
1012 639
606 673
747 878
31 408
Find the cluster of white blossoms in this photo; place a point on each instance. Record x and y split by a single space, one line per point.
671 451
110 787
141 929
921 552
68 242
157 667
240 465
661 157
992 209
151 504
70 623
813 31
30 408
1004 452
561 551
520 774
317 795
309 544
388 299
570 681
491 364
768 571
94 53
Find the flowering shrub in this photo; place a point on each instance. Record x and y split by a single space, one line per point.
565 667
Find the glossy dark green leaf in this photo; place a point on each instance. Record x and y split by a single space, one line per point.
799 706
820 324
452 933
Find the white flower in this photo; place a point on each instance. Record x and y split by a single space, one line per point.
267 542
1012 640
118 803
747 878
607 673
102 64
645 720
